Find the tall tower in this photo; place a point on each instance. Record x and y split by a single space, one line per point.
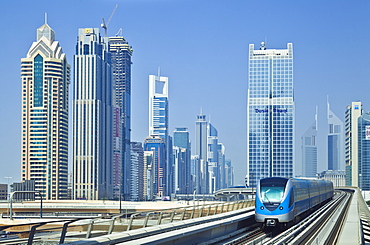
45 78
363 151
353 112
158 106
201 137
182 155
309 151
121 54
212 158
270 112
92 117
335 142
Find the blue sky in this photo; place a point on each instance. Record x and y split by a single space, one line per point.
202 46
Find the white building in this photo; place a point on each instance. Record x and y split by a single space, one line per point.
45 77
92 117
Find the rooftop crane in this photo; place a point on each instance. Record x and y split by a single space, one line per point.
105 25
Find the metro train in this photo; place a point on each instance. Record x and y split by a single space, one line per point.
280 200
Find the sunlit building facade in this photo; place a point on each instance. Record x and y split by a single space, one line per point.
45 76
270 112
364 151
353 112
92 117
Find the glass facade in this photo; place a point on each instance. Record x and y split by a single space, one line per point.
364 151
309 151
335 142
270 132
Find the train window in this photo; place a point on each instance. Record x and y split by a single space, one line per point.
272 189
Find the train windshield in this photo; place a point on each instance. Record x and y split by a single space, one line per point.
272 189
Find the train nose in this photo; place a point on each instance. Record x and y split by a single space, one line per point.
270 222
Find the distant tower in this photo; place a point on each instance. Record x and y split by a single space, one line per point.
270 112
136 173
335 142
212 158
309 151
363 151
121 53
92 117
158 106
201 152
158 174
45 78
182 155
353 112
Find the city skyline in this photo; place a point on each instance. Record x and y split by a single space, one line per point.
199 77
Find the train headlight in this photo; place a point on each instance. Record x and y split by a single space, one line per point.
281 207
262 207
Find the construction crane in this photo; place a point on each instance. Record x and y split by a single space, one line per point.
105 25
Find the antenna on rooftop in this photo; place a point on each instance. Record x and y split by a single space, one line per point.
46 18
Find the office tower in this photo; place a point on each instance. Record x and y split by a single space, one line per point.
136 173
195 173
229 173
157 145
92 117
270 112
182 155
335 142
353 112
148 175
338 177
309 150
363 152
45 77
3 192
158 106
201 151
121 53
221 166
212 158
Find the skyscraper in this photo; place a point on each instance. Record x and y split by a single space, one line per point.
158 106
309 151
92 117
201 151
335 142
182 155
158 170
270 112
121 54
212 158
45 78
353 112
137 172
363 151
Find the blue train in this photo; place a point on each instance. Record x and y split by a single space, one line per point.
280 200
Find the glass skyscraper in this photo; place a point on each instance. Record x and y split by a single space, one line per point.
121 53
270 112
45 76
92 117
364 151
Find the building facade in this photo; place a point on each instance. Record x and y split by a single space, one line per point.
45 76
335 142
92 117
158 171
353 112
201 137
364 151
182 161
309 151
270 112
136 179
121 53
212 158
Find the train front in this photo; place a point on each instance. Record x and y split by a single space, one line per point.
274 201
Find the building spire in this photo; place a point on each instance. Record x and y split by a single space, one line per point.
46 18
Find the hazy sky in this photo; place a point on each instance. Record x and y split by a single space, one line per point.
202 46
